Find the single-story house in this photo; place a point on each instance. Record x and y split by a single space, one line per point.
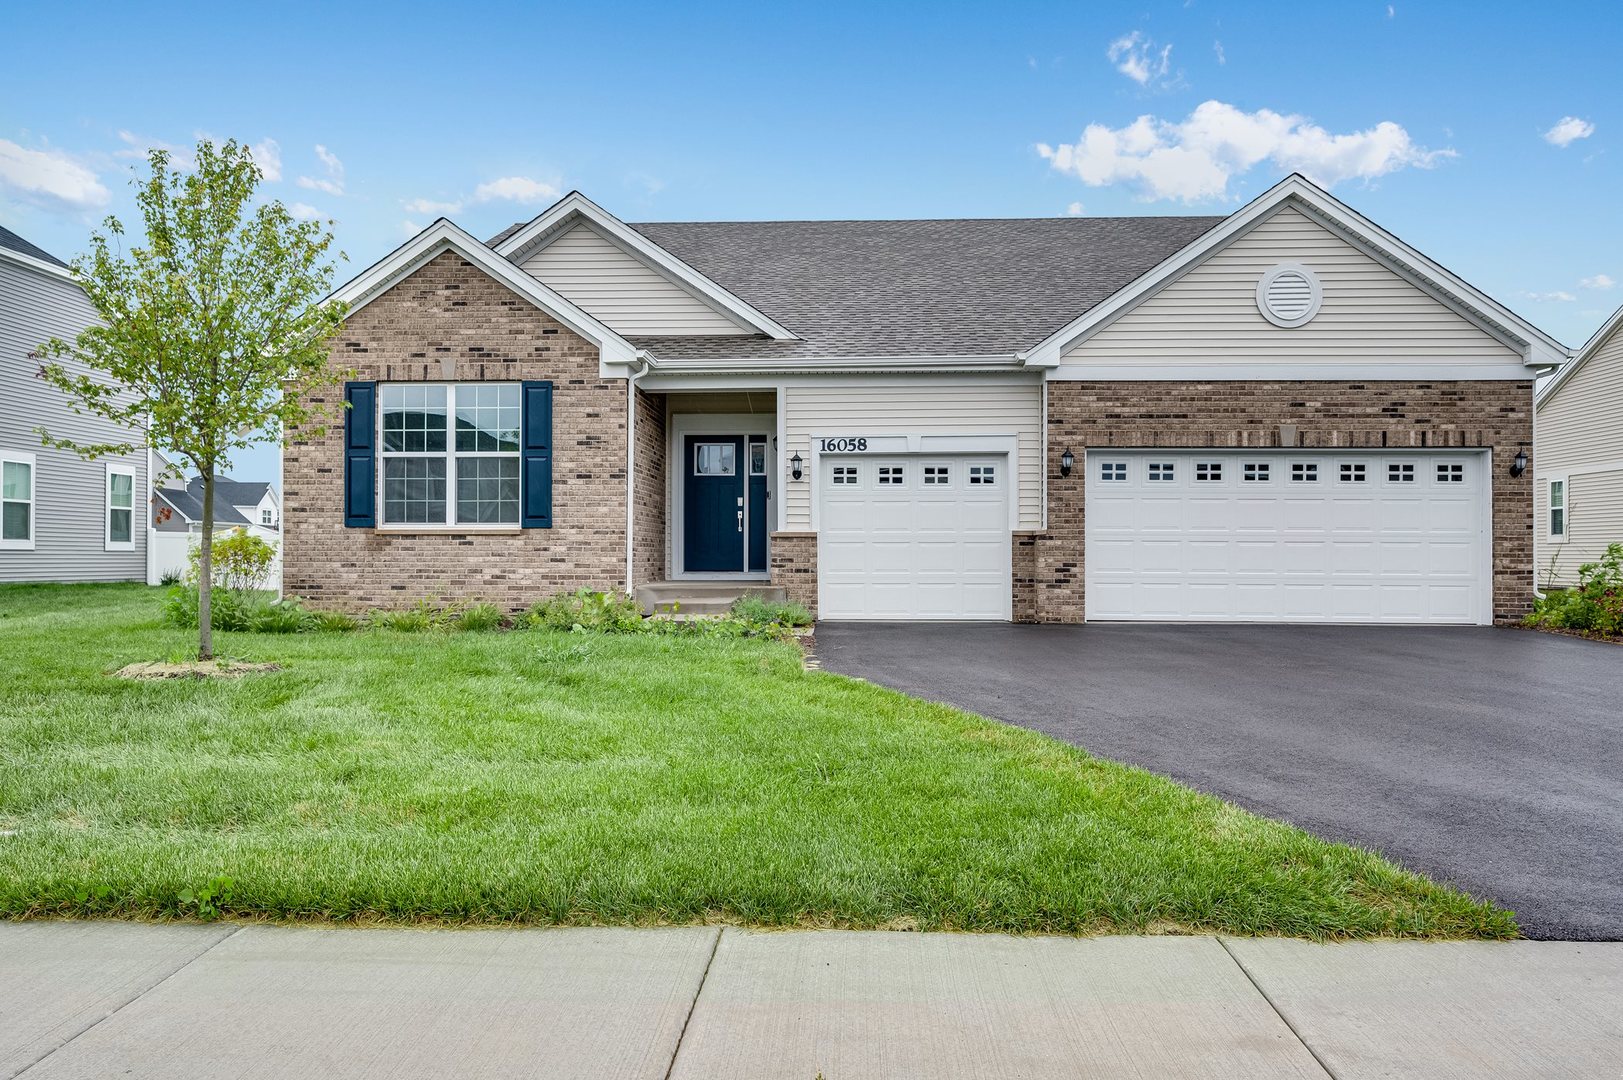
1284 414
62 518
1578 459
177 519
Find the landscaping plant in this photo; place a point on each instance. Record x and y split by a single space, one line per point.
1595 606
210 334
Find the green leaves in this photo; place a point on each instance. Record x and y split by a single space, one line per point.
212 333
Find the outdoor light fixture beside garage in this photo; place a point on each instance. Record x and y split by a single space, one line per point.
1519 466
794 466
1067 462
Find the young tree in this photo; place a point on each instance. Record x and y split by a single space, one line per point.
211 334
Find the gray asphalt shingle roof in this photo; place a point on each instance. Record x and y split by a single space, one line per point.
228 494
952 287
9 239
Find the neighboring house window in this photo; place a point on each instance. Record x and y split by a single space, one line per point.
265 516
17 502
120 508
450 453
1558 509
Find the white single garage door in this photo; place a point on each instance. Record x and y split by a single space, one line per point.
1277 536
914 536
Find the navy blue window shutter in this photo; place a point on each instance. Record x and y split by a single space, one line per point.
535 473
360 455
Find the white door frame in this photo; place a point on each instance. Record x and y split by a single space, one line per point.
743 425
1483 455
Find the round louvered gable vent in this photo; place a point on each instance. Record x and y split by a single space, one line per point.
1289 295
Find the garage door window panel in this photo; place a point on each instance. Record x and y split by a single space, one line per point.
1163 472
1113 471
1305 472
1255 472
1354 472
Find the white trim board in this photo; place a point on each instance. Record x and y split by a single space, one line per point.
1287 372
22 258
554 220
445 235
1581 357
1537 347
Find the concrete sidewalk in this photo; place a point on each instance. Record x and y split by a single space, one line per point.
97 999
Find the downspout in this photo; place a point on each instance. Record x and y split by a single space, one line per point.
1533 469
632 375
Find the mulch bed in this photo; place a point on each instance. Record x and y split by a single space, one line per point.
191 669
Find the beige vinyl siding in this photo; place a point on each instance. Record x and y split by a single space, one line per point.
940 405
1370 315
1594 519
629 296
1580 436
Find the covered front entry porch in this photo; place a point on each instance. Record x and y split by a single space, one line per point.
710 460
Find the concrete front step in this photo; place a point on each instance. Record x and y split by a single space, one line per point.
702 597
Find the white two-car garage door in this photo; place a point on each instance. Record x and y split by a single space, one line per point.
913 536
1281 536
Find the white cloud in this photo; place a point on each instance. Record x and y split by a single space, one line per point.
1195 158
1217 47
333 183
1568 130
1599 281
429 206
49 178
1558 296
410 228
1074 210
519 189
304 211
138 146
1136 57
1391 12
267 154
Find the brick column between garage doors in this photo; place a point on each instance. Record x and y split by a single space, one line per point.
1492 415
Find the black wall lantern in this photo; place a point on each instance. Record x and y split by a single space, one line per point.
1519 466
1067 462
794 466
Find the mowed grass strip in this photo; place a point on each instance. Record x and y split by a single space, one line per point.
542 777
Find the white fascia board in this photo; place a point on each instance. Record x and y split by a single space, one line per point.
1537 347
444 235
836 364
1282 372
635 243
1590 348
32 263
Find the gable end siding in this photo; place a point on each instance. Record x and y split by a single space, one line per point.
1370 314
630 297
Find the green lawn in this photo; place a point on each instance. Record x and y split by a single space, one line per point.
547 777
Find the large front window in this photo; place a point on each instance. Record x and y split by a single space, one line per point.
450 453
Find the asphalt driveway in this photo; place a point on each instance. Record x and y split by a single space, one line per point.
1489 758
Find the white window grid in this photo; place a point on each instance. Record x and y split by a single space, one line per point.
1208 471
19 483
1354 472
1113 471
982 474
118 516
1163 471
892 474
1450 473
1400 472
462 446
937 475
1558 515
845 475
1304 472
1255 472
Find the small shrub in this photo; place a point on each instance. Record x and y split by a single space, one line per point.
332 622
761 612
228 610
586 609
1595 606
421 616
479 617
242 561
171 577
286 617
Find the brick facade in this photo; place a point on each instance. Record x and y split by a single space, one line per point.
794 566
448 321
1412 415
648 484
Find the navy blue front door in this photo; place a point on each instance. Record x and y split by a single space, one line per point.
714 474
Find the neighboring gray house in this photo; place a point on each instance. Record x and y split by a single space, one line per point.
177 519
1578 458
62 518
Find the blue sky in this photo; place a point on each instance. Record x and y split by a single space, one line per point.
1481 133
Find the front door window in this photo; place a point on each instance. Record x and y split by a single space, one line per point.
715 458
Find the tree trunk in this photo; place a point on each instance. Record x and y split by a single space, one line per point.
205 574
